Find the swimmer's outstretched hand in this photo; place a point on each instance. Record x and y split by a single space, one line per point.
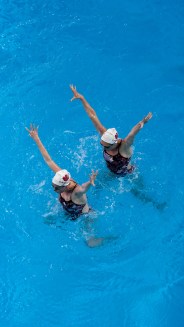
92 177
148 117
145 119
33 131
75 93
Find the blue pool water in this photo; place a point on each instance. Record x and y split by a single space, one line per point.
127 58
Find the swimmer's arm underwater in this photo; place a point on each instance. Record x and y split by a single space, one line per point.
90 111
129 139
33 132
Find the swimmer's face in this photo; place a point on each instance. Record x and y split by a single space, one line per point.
59 189
108 146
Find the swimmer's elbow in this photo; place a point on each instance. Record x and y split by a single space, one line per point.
92 115
128 141
82 191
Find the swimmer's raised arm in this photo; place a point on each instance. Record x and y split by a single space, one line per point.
33 132
130 137
85 186
90 111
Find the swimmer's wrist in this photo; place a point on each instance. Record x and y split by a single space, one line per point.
36 137
144 120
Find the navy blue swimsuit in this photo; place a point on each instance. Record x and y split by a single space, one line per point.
118 164
75 210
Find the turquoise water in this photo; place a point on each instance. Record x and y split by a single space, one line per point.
127 59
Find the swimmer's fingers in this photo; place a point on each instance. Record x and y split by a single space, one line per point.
33 130
32 127
95 173
75 93
93 176
27 129
148 117
30 131
72 87
74 98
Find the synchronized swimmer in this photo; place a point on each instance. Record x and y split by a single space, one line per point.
117 152
72 196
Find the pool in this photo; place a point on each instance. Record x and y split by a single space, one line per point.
127 59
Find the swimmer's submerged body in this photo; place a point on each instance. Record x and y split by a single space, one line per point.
72 196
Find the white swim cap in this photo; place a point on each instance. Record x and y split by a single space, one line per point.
61 178
110 136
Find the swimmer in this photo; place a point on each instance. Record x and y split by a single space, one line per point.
72 196
117 152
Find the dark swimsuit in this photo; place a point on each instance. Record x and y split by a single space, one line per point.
118 164
75 210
